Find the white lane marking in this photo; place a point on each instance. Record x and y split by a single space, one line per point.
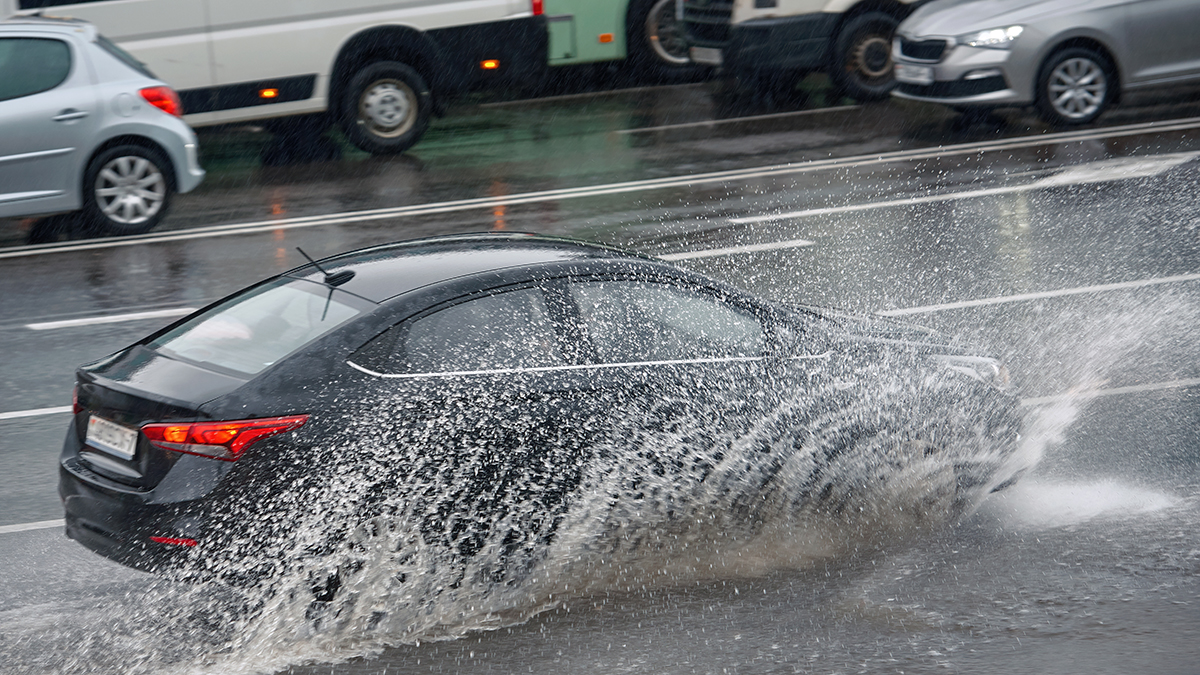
1120 168
112 318
40 525
1115 391
36 412
731 120
1025 297
600 190
731 250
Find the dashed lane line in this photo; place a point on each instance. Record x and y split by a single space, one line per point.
39 525
603 190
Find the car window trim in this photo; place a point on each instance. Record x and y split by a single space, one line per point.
588 366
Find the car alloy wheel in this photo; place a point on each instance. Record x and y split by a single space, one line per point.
388 108
665 35
1077 88
126 190
130 190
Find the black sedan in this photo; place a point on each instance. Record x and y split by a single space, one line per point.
475 401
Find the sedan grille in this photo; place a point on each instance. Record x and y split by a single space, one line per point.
707 21
922 50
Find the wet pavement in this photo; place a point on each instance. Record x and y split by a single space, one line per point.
1074 258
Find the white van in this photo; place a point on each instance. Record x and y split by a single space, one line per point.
378 68
775 42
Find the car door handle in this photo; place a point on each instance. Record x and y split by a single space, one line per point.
70 114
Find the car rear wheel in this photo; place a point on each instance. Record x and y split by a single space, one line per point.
1075 86
386 108
127 190
862 57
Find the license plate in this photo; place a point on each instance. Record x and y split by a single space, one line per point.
111 437
914 74
705 55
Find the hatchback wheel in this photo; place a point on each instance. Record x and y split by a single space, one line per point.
1074 87
862 57
386 108
127 190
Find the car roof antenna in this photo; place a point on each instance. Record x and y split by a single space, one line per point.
331 280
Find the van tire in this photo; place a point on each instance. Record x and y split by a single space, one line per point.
386 108
861 65
655 47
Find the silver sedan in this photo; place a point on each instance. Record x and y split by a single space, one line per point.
1069 58
85 127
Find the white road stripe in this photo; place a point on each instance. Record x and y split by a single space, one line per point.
602 190
1025 297
37 412
112 318
40 525
1095 172
1115 391
732 120
731 250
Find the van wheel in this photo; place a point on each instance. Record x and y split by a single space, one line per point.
386 108
655 42
1074 86
862 57
126 190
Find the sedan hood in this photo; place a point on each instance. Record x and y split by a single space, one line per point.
957 17
876 328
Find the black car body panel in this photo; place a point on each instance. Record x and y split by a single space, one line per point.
509 427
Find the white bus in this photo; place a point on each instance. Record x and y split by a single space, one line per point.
379 68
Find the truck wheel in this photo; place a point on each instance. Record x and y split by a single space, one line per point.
655 42
126 190
386 108
862 57
1074 86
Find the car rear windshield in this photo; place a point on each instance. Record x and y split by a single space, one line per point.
256 329
124 56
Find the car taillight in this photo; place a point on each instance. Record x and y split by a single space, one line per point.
538 8
174 541
76 408
219 440
163 98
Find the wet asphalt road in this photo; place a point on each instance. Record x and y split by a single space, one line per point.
1089 566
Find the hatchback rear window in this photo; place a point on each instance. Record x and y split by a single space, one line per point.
123 56
256 329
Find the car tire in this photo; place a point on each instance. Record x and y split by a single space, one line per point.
127 190
655 44
862 57
386 108
1075 85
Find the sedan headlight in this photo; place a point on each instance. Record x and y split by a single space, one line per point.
992 38
981 368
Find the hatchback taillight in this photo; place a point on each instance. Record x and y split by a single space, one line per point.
219 440
163 98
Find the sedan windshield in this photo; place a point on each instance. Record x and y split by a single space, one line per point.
253 331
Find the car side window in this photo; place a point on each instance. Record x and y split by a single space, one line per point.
633 321
496 332
32 65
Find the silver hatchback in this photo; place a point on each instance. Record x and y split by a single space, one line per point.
1069 58
85 127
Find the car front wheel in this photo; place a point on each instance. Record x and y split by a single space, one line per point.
126 190
1074 87
386 108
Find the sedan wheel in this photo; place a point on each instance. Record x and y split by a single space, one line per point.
127 190
1074 87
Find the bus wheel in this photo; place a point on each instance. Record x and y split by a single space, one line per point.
386 108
